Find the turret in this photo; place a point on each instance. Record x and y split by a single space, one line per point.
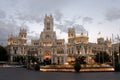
108 42
23 36
100 40
71 33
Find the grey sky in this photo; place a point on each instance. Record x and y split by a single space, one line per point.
85 15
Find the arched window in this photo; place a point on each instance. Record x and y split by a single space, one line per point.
47 36
48 26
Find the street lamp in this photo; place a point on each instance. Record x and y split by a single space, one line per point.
118 41
118 58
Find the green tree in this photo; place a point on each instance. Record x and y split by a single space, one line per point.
115 57
117 67
37 67
33 59
102 57
3 54
81 59
77 66
117 64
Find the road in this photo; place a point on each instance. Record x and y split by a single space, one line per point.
23 74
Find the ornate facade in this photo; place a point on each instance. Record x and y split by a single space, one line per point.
52 50
47 48
79 45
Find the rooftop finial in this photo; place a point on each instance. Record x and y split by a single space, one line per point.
87 33
82 33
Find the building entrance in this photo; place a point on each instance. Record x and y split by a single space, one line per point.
47 57
47 61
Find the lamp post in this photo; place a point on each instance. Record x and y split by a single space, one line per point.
118 41
118 57
118 52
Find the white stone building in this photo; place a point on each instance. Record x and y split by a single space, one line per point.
47 48
51 50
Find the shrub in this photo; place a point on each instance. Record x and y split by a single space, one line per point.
77 67
117 67
37 67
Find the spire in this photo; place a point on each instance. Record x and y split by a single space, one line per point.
82 33
106 38
99 34
87 33
110 40
51 15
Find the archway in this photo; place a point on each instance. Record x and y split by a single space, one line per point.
47 57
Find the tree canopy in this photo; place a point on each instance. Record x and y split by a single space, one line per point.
102 57
81 59
3 54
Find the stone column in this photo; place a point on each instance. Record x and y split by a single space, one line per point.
41 58
11 58
65 58
59 59
56 60
52 60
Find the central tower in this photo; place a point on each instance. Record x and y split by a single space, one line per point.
48 23
48 35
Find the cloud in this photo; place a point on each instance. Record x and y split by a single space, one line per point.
87 20
63 24
30 10
112 14
69 22
79 28
29 18
33 36
2 14
61 27
58 16
64 27
32 7
7 29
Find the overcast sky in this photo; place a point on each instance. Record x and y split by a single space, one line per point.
90 16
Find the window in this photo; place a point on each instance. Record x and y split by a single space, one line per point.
72 51
59 43
47 36
71 34
78 51
53 51
35 43
62 59
48 26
